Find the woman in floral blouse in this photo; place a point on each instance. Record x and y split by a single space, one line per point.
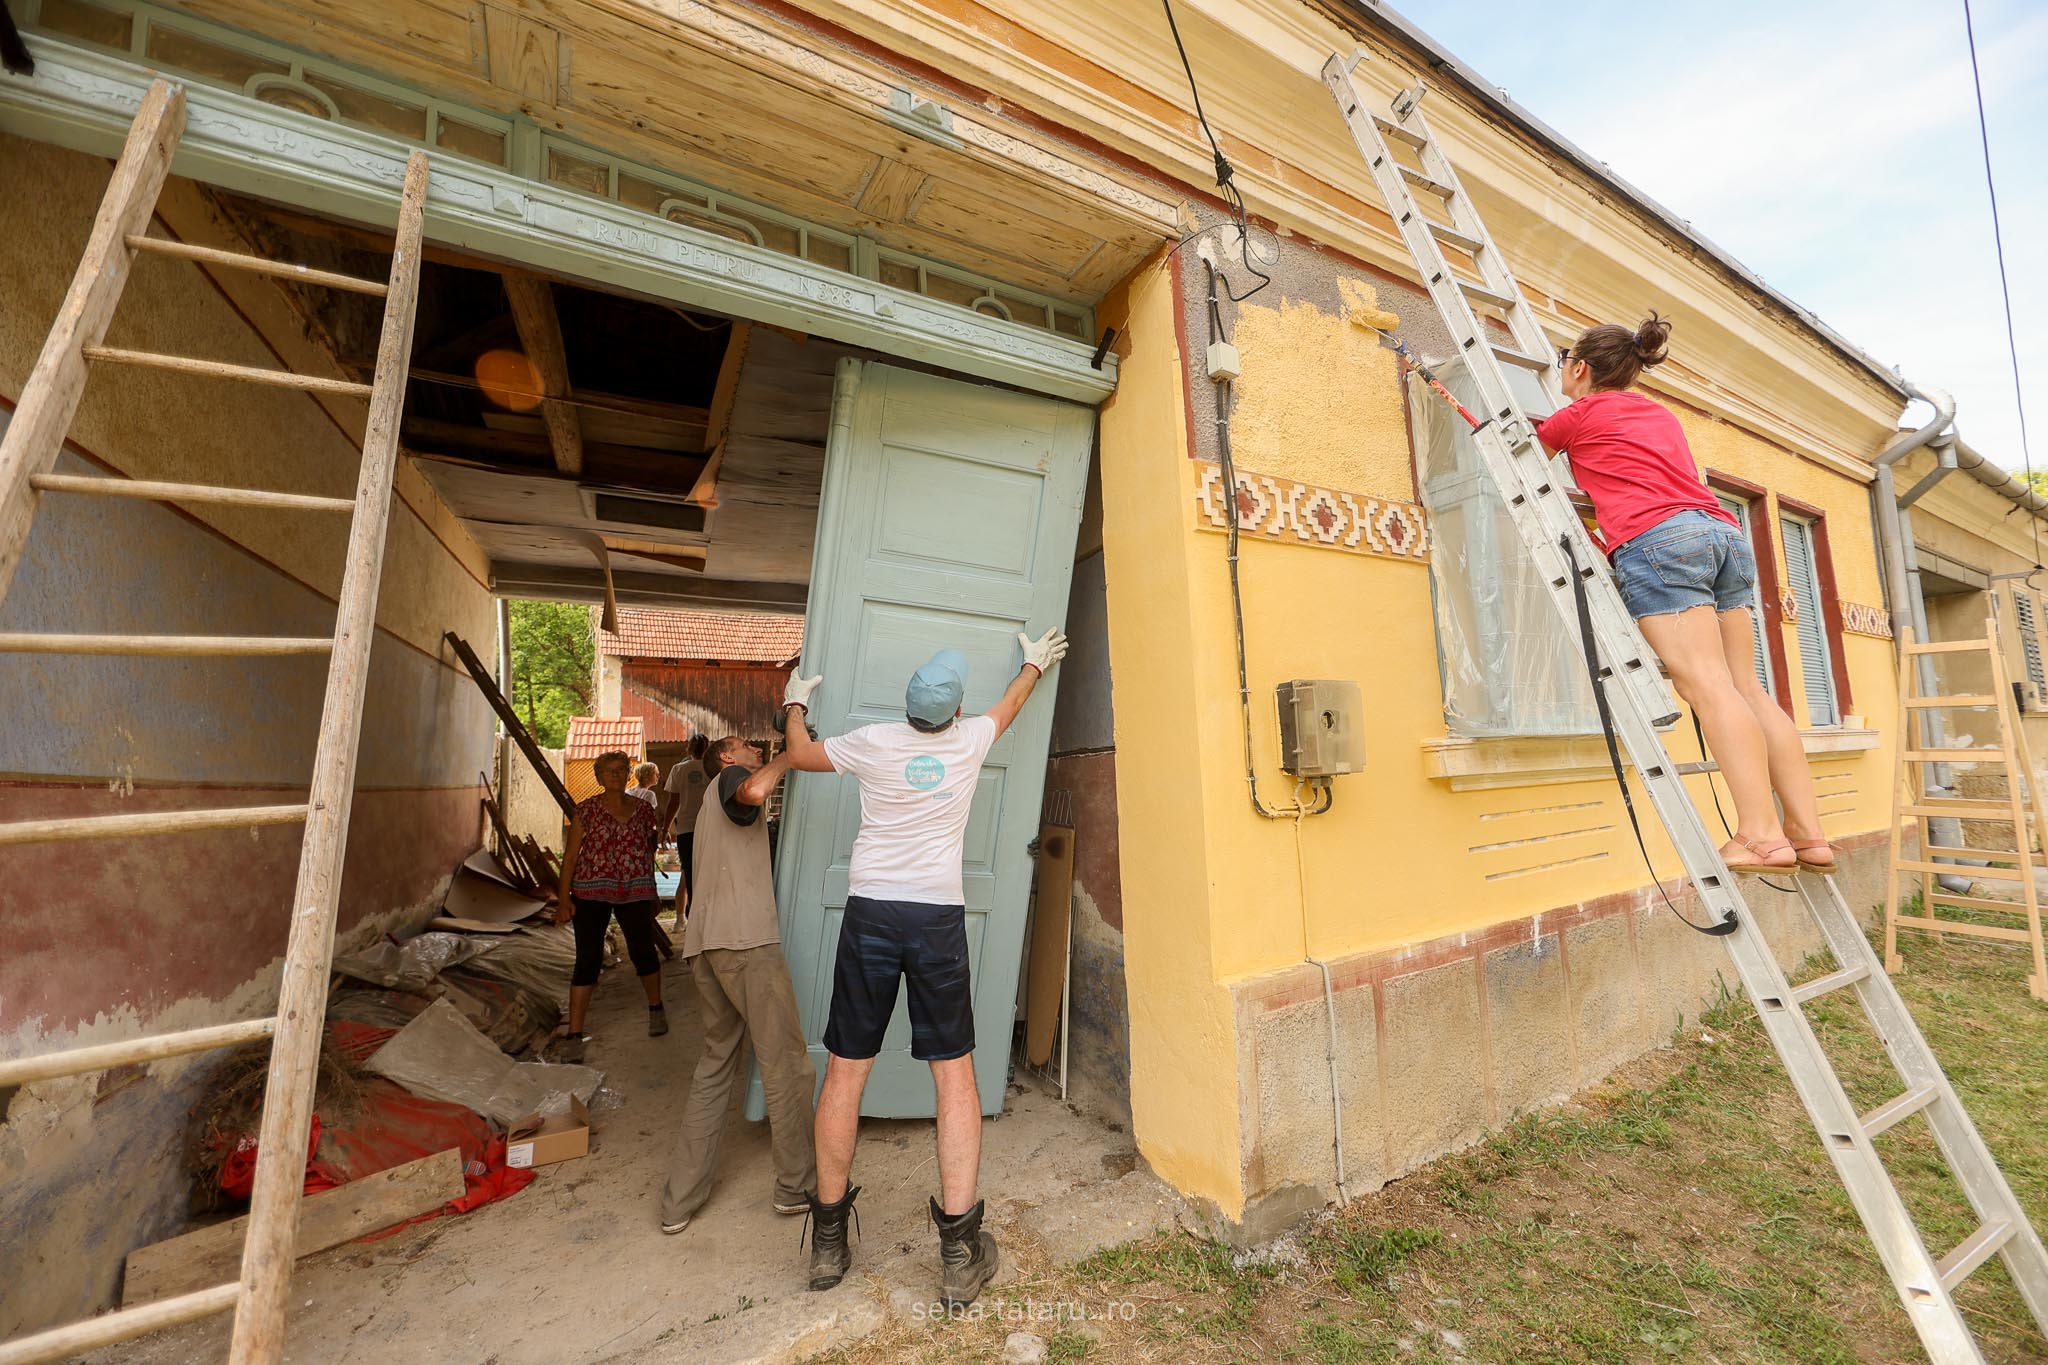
607 870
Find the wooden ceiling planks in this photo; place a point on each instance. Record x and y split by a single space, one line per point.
748 106
774 462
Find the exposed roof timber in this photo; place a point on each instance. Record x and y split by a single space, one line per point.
646 589
540 333
1426 52
84 100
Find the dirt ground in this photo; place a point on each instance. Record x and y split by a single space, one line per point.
575 1267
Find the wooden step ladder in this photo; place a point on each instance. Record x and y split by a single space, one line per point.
28 454
2019 811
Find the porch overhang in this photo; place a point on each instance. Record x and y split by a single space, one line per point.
84 100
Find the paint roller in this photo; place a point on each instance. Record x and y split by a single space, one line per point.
1384 322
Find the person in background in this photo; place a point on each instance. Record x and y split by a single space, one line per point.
607 870
686 785
906 918
642 789
1688 576
744 992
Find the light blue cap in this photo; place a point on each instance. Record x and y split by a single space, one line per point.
936 689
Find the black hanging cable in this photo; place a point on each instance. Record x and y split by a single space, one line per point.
1225 174
1628 801
1715 792
2004 286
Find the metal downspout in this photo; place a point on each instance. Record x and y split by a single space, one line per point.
1909 604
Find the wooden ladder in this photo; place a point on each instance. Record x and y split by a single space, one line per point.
2019 811
28 455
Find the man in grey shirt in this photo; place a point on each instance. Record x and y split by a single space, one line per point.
734 948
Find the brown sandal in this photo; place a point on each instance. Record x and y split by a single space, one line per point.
1799 846
1760 867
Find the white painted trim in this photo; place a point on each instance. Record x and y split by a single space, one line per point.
84 100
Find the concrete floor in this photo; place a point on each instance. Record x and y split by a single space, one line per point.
575 1268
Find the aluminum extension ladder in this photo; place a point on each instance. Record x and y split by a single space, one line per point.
1545 518
28 454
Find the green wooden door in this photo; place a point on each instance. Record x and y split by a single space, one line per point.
948 519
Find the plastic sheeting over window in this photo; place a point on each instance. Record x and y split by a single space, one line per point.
1509 665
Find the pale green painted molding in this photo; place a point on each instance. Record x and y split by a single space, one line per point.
84 99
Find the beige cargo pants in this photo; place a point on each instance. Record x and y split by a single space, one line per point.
744 993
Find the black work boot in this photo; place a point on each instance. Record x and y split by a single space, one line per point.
830 1256
967 1255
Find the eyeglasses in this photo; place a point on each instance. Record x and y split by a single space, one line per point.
1564 355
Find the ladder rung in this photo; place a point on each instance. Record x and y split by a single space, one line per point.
1942 897
123 1324
1976 854
1974 1251
1954 756
1428 186
1486 296
1508 355
1398 133
1452 237
1833 981
146 822
30 642
1962 810
1949 926
93 486
1975 874
1949 647
79 1060
220 369
1928 703
259 265
1893 1110
1696 767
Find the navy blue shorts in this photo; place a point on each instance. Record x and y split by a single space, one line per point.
881 941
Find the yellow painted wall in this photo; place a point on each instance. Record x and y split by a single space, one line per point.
1184 1051
1214 892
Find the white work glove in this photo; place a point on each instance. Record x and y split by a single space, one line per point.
798 693
1047 650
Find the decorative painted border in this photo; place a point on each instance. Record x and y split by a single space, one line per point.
1285 510
1858 619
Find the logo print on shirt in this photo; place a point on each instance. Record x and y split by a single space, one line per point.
924 772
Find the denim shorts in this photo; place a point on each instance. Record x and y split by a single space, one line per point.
1689 559
882 943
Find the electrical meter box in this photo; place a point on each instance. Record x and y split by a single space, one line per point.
1321 727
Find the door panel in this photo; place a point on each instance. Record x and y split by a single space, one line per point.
948 519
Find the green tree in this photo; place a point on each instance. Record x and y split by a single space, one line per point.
553 649
2038 481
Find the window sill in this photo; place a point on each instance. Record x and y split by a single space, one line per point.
1546 760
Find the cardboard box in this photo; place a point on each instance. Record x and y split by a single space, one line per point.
537 1141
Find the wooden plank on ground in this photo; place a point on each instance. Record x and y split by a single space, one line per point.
327 1219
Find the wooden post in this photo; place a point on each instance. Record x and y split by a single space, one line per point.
302 998
2019 780
514 726
49 398
540 332
1905 792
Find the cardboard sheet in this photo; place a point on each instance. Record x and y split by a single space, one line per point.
473 895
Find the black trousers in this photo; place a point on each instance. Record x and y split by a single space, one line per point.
636 921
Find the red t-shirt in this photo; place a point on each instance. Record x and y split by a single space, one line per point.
1629 454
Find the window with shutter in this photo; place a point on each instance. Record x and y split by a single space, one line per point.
1816 664
2030 638
1739 509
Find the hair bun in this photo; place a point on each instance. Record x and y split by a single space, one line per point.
1652 338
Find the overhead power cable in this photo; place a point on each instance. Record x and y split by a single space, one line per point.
1225 175
2004 283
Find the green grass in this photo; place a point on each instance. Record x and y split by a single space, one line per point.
1690 1217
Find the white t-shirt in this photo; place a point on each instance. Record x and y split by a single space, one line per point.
916 792
688 778
646 794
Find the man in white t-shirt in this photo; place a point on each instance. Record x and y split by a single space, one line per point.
906 919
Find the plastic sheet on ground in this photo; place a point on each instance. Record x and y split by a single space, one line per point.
442 1055
414 964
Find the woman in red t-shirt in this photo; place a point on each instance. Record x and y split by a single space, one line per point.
1688 576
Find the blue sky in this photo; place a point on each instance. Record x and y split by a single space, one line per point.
1828 145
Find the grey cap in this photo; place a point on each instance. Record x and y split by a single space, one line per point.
936 689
